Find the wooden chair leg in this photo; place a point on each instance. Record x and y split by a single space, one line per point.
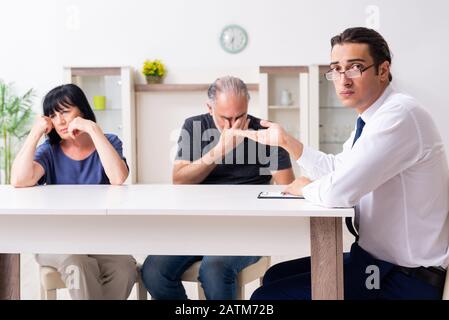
201 294
141 291
50 294
240 292
10 276
446 287
42 293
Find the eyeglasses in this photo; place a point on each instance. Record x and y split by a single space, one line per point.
354 72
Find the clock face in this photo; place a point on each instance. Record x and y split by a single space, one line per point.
233 39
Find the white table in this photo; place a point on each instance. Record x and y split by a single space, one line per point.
173 220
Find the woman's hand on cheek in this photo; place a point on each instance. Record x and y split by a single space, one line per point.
79 125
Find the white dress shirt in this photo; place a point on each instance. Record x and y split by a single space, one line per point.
396 175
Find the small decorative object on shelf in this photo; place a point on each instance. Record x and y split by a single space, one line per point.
99 102
286 98
153 70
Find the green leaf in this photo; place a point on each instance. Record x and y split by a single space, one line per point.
15 123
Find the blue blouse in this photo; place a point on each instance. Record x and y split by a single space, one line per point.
60 169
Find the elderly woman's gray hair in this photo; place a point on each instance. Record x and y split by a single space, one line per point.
228 85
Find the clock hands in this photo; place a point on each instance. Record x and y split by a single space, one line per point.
233 39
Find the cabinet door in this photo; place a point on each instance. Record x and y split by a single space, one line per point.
284 98
108 89
111 96
333 123
283 102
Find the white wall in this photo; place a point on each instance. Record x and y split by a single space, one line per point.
40 37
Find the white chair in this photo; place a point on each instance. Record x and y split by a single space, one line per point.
446 287
249 274
50 281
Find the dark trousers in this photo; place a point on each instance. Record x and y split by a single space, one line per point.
291 280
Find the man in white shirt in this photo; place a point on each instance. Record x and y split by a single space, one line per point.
393 169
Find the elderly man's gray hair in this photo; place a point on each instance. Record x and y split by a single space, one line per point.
227 84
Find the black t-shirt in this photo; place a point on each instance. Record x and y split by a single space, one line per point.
249 163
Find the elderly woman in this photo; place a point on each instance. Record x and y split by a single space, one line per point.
76 151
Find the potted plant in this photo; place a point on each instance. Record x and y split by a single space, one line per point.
153 70
15 120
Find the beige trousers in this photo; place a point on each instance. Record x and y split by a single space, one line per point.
94 277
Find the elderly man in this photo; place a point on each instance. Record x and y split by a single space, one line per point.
207 155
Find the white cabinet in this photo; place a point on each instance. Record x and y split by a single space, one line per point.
117 116
284 99
313 114
330 122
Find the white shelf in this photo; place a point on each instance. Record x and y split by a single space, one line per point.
332 142
335 108
107 110
116 84
327 116
182 87
278 84
283 107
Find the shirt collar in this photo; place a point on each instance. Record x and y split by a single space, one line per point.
368 113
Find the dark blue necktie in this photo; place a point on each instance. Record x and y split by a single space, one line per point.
359 129
358 133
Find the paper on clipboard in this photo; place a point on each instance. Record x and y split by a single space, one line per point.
277 195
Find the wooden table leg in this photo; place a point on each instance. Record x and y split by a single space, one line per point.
9 276
326 258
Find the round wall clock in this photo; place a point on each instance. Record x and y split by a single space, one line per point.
233 38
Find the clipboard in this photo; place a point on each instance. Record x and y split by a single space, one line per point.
277 195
